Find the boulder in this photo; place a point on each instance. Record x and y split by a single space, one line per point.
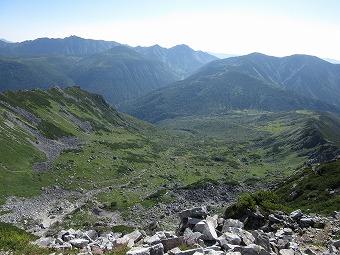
296 215
261 239
190 237
170 243
67 238
193 221
229 238
212 252
274 219
157 249
63 247
79 243
207 229
212 220
135 236
198 212
152 239
336 243
335 215
124 240
139 251
45 242
309 252
286 252
252 249
247 238
92 234
232 223
306 222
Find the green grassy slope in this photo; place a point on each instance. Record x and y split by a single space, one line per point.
314 188
139 161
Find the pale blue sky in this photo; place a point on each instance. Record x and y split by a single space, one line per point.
273 27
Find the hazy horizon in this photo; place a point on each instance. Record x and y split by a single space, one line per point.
276 28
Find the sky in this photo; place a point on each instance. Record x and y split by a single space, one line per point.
273 27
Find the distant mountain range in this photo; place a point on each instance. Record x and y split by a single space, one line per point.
171 82
109 68
306 75
181 58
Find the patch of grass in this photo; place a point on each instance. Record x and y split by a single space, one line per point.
266 201
18 241
122 229
119 251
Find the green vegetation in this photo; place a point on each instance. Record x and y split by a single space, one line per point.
18 241
265 201
129 162
313 189
251 147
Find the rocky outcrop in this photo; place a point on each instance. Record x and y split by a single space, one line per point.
199 233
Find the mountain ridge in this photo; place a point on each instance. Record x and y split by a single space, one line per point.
181 61
218 94
306 75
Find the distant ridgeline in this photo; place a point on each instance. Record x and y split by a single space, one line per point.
117 71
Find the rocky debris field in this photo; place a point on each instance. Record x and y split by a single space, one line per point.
201 233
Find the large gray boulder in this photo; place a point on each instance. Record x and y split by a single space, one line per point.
207 229
190 237
232 223
172 242
79 243
197 212
247 237
262 239
306 222
229 238
296 215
